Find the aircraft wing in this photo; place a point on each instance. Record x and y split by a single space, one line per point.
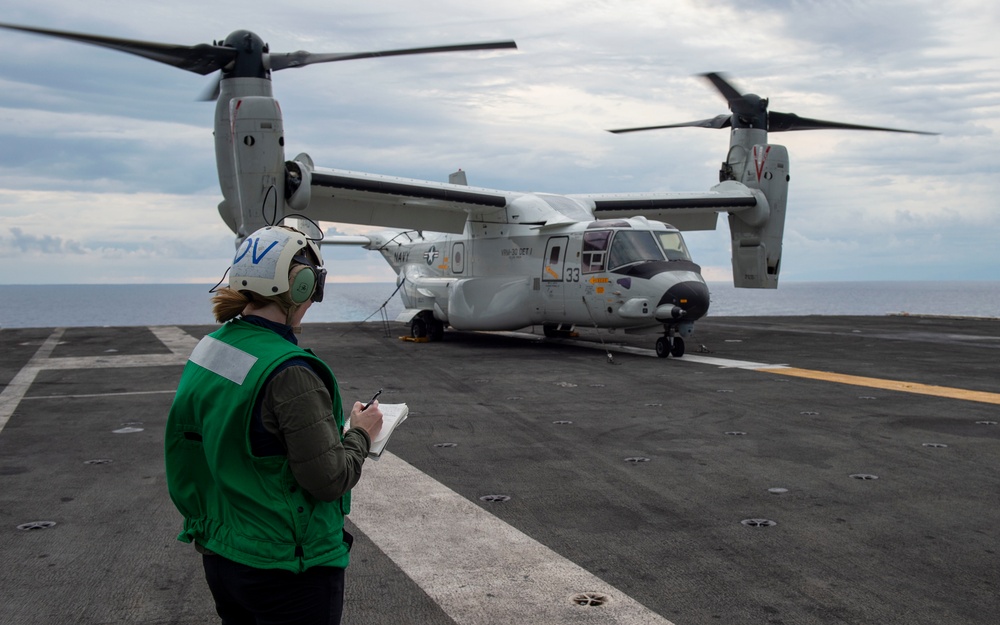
684 211
377 200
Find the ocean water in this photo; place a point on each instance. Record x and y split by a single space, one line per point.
34 306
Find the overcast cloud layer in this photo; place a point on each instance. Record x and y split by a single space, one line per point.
107 172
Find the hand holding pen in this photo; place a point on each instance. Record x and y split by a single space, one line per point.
374 397
367 416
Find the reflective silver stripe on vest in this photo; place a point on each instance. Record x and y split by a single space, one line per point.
225 360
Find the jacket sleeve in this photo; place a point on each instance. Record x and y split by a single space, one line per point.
298 409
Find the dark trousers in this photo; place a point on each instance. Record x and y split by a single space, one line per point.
245 595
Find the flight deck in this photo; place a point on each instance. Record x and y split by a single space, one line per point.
796 470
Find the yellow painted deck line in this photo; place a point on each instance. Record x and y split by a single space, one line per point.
889 385
855 380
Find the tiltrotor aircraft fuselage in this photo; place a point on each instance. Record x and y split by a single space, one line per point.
615 273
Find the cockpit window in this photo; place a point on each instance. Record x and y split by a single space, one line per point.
673 245
631 247
595 245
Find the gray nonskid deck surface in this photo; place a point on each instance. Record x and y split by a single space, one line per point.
639 473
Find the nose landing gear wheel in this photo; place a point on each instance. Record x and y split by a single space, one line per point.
677 349
673 346
662 347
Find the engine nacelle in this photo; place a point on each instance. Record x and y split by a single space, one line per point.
258 141
757 236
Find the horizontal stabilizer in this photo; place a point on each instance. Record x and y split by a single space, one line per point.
347 240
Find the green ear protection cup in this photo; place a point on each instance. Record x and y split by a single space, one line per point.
303 286
319 275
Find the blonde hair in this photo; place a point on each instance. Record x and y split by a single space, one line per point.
228 303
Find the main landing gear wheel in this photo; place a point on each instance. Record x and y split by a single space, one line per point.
426 326
436 329
670 347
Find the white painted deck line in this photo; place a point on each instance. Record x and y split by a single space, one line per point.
15 390
179 342
478 569
611 346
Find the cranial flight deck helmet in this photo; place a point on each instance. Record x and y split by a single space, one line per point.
265 259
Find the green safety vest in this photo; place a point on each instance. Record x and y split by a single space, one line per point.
245 508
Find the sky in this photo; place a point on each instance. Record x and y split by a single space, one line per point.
107 169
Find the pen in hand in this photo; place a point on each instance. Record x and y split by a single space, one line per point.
372 400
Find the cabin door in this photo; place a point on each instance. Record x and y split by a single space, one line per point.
553 280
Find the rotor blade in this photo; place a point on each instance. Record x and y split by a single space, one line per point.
719 121
302 58
200 59
737 103
786 122
728 91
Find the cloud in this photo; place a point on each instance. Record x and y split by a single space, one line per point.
19 243
109 153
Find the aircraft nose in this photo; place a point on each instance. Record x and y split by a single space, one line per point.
684 300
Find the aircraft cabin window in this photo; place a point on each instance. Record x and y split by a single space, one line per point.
554 256
631 246
673 245
595 245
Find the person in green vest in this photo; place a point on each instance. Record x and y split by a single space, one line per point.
258 459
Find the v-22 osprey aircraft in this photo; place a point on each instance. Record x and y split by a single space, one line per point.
484 259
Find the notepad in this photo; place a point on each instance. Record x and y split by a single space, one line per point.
392 416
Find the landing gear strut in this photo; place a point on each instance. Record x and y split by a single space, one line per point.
424 325
670 345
